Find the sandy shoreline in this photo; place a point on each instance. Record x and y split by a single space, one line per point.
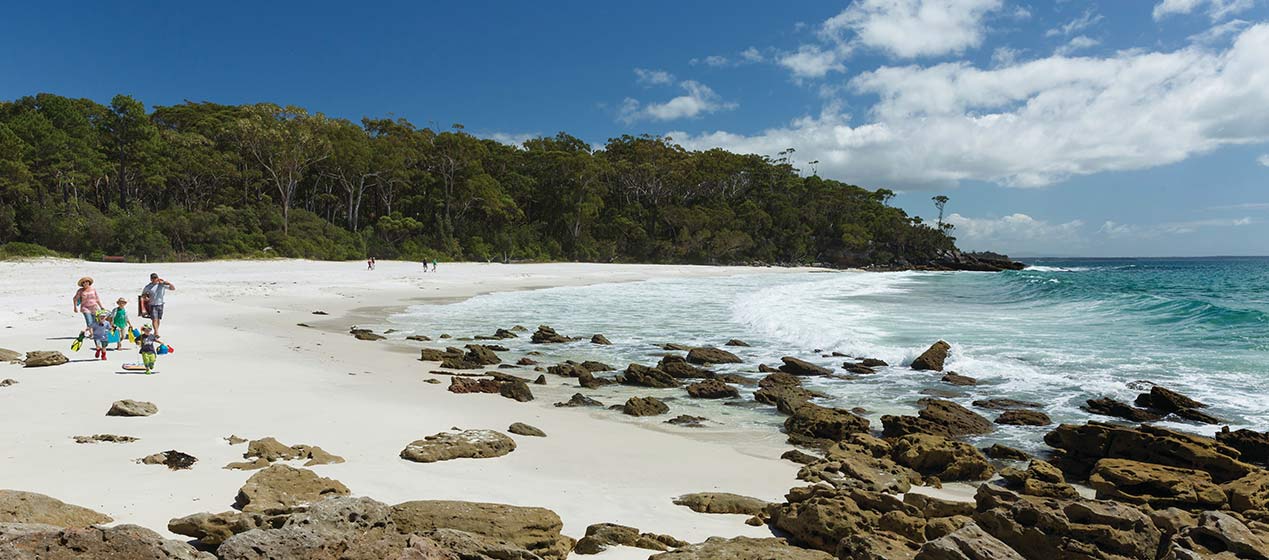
244 367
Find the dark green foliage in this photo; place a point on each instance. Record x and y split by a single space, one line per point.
202 180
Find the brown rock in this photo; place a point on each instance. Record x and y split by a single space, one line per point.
794 366
465 385
547 335
688 421
967 543
712 389
535 529
128 407
946 459
1156 485
1005 404
1083 446
722 502
577 400
998 451
1254 446
1250 492
45 542
708 355
172 459
933 358
600 339
17 506
1023 418
467 444
1167 400
44 358
958 379
1040 479
1048 528
280 489
736 342
522 429
644 406
211 529
678 368
106 438
602 535
515 390
742 548
812 424
1107 406
8 382
644 376
937 417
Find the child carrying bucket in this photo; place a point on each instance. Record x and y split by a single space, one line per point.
149 343
123 325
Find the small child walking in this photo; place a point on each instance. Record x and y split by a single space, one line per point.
100 331
119 318
149 343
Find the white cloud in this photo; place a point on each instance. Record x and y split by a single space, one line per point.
1004 56
1017 233
912 28
1216 9
699 100
752 54
1263 160
812 62
516 139
1116 230
653 77
1220 31
1035 123
1078 43
1076 25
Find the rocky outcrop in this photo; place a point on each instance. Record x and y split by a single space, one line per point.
712 389
967 543
211 529
998 451
937 417
709 355
534 529
1159 486
688 421
281 489
267 450
438 355
722 502
1048 528
933 358
678 368
860 461
129 407
600 536
1254 446
1005 404
1023 418
365 334
578 400
794 366
644 406
1080 447
1040 479
1107 406
600 340
644 376
522 429
47 542
515 390
1166 401
958 379
467 385
547 335
17 506
942 458
812 424
1221 535
477 356
467 444
742 548
44 358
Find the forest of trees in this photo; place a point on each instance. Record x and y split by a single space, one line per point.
202 180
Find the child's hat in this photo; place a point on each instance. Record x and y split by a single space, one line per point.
145 327
101 312
121 300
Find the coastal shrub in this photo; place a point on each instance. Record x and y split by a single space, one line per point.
20 250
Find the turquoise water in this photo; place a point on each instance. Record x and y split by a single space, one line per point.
1058 333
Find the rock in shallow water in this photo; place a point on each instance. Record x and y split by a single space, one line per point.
709 355
933 358
579 400
1023 418
712 389
468 444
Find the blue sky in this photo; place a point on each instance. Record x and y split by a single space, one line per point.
1135 127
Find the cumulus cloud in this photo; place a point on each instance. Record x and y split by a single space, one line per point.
1263 160
510 138
912 28
1117 230
1216 9
1017 233
1035 123
812 62
1078 43
698 100
752 54
653 77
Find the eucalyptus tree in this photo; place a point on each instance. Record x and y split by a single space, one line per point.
285 142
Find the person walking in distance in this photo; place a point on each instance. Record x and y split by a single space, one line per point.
156 290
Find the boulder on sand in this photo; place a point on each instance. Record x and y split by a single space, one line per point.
946 459
45 542
281 489
10 356
172 459
933 358
708 355
644 406
515 390
129 407
795 366
743 548
577 400
938 417
467 444
17 506
722 502
644 376
533 528
522 429
44 358
600 536
465 385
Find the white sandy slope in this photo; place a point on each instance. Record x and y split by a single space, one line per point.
242 366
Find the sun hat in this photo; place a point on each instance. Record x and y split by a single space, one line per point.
121 300
86 279
145 327
101 313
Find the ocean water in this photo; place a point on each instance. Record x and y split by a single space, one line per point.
1058 333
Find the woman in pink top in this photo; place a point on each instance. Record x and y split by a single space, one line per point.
86 301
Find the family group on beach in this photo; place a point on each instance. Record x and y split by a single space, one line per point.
102 324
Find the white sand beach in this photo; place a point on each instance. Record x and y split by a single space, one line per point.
242 366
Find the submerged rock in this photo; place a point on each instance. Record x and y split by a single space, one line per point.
688 421
712 389
794 366
1107 406
600 340
1023 418
1005 404
958 379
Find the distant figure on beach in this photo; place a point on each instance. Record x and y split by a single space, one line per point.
372 263
119 319
100 329
155 291
148 343
433 265
86 301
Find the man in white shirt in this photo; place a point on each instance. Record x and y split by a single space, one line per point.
155 290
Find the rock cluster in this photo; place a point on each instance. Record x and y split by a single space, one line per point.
265 451
477 356
1155 404
603 535
547 335
708 355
